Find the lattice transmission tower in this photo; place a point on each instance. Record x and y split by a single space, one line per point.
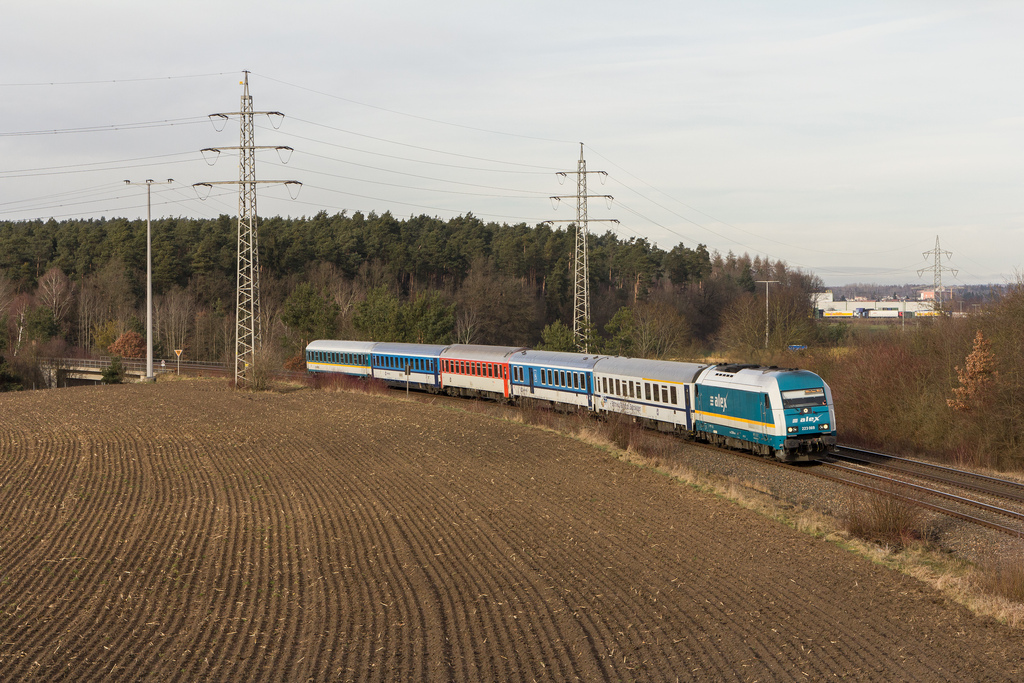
581 261
247 297
937 268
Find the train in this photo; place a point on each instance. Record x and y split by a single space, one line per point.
785 413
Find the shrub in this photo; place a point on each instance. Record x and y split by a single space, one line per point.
1003 578
884 518
115 372
131 344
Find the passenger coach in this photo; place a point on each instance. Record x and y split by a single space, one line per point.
657 392
412 365
556 376
477 371
346 357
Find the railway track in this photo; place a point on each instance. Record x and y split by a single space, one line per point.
949 476
946 501
1005 520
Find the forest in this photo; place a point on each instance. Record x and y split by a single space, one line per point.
75 287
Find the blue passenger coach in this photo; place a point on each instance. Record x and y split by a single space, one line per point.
556 376
415 365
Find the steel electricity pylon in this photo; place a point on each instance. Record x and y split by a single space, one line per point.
937 268
247 296
581 261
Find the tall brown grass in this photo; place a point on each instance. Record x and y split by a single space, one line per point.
883 518
1003 578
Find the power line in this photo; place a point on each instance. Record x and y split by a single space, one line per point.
414 116
108 81
106 128
541 169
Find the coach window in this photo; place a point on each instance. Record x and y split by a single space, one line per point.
664 394
647 390
575 381
674 396
617 392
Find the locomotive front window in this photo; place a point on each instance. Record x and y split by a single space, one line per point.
804 398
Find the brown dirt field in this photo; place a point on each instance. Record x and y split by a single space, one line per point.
182 531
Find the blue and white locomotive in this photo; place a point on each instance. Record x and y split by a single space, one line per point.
784 413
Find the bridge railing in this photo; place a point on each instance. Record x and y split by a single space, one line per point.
133 366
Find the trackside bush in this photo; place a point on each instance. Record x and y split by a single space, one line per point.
885 519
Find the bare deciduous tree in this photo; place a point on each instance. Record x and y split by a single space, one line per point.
56 292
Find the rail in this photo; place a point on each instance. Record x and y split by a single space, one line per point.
951 476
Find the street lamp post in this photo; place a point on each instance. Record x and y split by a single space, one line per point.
766 283
149 275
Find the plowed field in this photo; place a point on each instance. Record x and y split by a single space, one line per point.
182 531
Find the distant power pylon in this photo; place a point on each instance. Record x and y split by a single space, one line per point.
581 261
247 296
937 268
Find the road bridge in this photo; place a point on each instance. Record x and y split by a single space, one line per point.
61 371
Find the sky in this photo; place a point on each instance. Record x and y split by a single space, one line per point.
842 138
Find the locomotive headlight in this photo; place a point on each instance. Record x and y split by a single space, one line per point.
823 427
790 430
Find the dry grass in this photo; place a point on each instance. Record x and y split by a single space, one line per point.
886 519
346 383
1003 579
